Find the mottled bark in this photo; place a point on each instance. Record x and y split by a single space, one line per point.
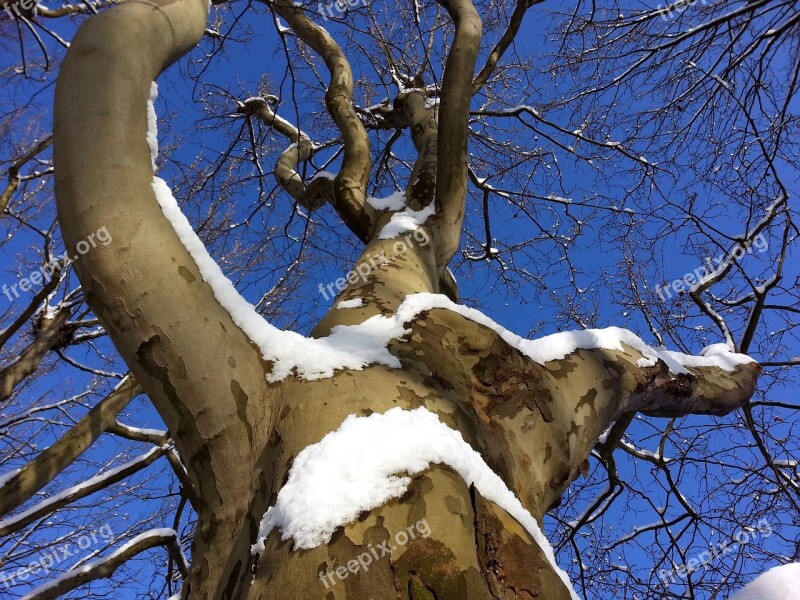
202 373
456 96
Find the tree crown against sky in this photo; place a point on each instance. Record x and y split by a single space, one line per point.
617 156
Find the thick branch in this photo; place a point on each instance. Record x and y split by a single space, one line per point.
538 423
451 173
202 373
46 466
422 117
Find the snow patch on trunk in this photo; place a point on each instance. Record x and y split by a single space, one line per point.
370 460
354 303
406 220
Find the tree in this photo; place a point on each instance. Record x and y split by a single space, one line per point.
241 399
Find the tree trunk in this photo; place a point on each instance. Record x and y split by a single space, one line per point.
459 546
237 434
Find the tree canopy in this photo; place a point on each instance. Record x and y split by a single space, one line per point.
627 166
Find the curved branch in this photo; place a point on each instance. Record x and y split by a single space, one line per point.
145 287
350 184
312 195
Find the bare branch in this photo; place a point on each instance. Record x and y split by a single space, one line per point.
88 487
46 466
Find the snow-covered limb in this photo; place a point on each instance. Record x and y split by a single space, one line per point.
105 567
356 346
138 434
370 460
80 490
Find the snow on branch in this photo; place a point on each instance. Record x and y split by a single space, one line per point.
356 346
370 460
20 485
81 490
105 567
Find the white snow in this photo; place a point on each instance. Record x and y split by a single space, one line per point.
370 460
779 583
143 430
354 303
348 347
407 220
323 175
395 201
604 436
152 125
559 345
8 475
